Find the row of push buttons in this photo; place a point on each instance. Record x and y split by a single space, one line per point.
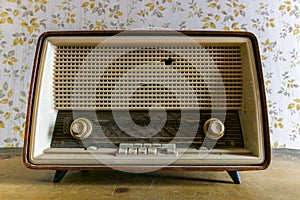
154 149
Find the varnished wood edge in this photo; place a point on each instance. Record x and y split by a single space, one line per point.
260 77
31 100
255 46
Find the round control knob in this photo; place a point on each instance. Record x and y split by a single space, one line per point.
214 128
81 128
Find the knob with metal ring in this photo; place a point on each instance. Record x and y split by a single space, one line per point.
81 128
214 128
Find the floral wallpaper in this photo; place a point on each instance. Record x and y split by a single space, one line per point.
275 23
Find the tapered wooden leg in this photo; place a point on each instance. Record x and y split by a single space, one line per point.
235 176
59 175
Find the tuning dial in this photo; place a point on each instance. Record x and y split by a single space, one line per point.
214 128
81 128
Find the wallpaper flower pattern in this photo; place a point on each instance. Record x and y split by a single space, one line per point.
275 23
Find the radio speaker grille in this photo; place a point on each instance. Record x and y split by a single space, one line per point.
138 77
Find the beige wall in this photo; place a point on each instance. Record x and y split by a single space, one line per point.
275 23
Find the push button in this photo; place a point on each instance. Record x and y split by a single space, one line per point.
146 149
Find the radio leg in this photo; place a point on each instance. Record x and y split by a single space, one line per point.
59 175
235 176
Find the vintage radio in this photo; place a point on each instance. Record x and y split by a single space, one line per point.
147 100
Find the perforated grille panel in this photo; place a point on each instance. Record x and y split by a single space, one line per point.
105 77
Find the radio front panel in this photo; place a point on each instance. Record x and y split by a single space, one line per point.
105 128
